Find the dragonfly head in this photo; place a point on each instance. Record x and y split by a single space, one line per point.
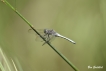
45 31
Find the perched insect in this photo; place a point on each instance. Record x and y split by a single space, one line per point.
49 34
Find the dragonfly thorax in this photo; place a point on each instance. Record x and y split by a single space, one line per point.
49 32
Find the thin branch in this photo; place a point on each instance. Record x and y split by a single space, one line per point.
60 54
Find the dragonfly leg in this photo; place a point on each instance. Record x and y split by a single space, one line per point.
47 39
45 34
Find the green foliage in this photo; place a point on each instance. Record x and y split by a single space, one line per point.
80 20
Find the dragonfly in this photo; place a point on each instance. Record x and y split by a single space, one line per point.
49 34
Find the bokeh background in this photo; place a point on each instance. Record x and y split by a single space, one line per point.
80 20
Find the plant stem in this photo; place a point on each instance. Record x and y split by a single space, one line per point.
2 54
60 54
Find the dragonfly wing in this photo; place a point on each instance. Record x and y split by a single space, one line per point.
37 37
41 31
49 39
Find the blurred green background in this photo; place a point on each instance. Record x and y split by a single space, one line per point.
80 20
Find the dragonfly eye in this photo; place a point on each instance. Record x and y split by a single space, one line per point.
45 30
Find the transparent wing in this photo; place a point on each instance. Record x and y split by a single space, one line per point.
37 37
41 31
49 39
